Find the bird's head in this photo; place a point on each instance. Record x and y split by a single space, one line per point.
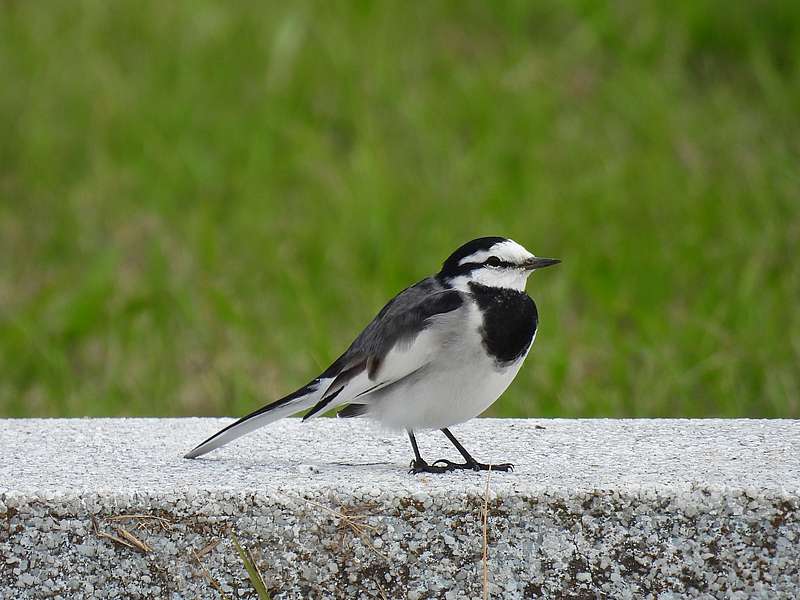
493 262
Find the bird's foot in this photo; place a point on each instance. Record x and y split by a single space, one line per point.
420 466
443 466
472 466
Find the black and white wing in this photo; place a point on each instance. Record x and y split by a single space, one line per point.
395 344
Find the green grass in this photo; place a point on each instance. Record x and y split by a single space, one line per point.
253 574
201 204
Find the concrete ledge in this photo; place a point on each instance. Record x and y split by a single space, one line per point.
607 509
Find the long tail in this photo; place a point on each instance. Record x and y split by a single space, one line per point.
302 399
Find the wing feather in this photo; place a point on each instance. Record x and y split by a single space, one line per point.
396 344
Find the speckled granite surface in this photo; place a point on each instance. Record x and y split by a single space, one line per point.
595 509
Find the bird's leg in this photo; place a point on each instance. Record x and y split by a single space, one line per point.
470 463
419 465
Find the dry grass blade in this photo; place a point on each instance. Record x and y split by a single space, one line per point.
129 537
207 548
354 519
381 590
252 570
110 536
486 536
115 539
164 522
214 583
360 529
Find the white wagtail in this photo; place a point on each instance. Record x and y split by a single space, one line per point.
439 353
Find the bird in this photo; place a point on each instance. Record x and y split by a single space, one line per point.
437 354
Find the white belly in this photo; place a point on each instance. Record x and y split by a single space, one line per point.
458 385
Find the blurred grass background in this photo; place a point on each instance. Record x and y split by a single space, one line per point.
201 204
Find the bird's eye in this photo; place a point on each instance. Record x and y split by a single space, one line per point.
493 261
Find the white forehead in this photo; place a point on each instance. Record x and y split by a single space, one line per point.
507 250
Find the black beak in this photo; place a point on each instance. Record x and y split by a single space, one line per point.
540 263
